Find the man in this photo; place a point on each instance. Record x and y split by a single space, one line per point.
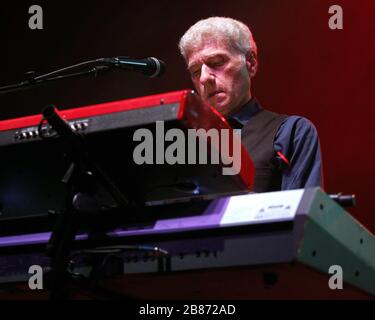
221 56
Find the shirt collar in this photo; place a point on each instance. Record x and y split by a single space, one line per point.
251 108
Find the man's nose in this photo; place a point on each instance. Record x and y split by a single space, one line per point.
206 75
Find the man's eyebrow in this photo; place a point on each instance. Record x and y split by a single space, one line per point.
216 54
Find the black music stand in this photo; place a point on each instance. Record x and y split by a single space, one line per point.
81 173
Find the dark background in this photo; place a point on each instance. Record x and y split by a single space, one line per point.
305 67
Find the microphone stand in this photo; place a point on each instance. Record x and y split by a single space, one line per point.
82 170
59 74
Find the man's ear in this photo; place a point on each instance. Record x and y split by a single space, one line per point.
252 63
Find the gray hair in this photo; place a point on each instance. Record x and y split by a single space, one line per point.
235 32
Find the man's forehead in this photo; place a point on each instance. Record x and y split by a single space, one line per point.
206 50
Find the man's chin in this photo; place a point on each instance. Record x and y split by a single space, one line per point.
222 107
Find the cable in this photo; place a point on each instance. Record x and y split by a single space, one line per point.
81 64
121 248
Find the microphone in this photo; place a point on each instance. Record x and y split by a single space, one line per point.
150 67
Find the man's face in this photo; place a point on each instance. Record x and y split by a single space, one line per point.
220 75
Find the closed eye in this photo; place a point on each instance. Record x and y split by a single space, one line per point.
195 73
217 64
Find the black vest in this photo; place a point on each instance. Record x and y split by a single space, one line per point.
257 137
